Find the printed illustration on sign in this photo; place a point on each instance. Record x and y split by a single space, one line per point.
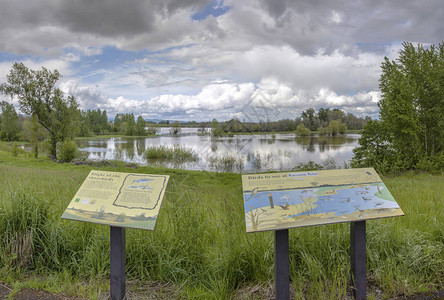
118 199
286 200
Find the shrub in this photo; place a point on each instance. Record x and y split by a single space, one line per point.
301 130
324 130
14 150
432 164
68 151
307 166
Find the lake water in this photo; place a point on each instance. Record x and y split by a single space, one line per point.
240 153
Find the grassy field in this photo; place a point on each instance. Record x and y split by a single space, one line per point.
199 248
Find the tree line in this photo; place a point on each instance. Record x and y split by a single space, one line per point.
325 121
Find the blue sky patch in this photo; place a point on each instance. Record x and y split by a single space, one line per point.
215 8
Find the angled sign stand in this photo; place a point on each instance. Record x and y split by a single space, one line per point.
279 201
120 200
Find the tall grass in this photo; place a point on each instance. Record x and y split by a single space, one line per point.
177 153
225 163
199 246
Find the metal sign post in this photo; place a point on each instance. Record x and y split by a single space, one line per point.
281 265
358 258
117 263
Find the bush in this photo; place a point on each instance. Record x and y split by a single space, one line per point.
324 130
14 150
308 166
432 164
68 151
301 130
375 149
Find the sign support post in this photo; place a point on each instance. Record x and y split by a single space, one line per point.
358 258
281 265
117 263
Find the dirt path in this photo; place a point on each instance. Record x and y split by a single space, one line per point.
257 292
30 294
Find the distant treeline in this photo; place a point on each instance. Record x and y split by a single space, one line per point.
14 127
310 120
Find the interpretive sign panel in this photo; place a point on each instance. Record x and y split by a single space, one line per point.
118 199
276 201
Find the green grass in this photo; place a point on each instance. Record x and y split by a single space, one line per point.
199 246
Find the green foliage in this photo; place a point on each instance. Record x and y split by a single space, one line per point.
94 121
433 164
374 148
309 119
33 133
226 163
9 125
177 153
14 149
152 129
411 132
130 125
200 246
124 124
308 166
68 151
140 126
23 227
175 128
323 131
336 127
216 129
412 103
301 130
37 95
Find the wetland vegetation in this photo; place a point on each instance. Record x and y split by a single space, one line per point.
199 248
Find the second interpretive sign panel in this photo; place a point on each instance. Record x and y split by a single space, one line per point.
276 201
118 199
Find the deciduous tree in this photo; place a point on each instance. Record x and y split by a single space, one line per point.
411 111
9 125
140 126
38 95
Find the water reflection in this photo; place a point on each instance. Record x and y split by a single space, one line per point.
141 146
245 153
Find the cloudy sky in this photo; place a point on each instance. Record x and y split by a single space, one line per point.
199 60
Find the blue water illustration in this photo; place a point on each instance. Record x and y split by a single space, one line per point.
350 200
344 200
142 180
280 198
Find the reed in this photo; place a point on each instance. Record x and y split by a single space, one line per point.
176 154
